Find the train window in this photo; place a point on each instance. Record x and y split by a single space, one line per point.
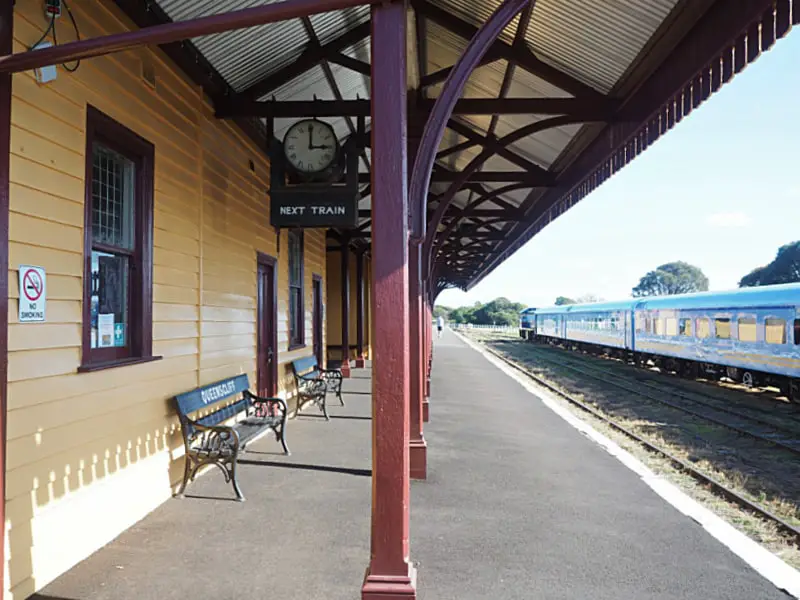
723 328
703 328
672 326
774 330
797 332
685 327
641 323
747 329
659 323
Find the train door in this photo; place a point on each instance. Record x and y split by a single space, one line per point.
629 329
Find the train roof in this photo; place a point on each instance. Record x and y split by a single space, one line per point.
787 294
751 297
525 311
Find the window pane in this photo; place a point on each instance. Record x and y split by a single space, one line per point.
295 316
295 258
109 300
112 198
747 329
797 332
685 327
672 326
723 328
775 331
703 328
659 323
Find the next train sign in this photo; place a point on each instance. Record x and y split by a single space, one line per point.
313 210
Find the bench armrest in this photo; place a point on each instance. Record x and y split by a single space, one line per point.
254 400
214 437
333 373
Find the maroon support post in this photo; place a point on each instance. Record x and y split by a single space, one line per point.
390 575
418 448
6 45
361 359
346 307
426 355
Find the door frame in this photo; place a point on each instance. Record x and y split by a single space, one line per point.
317 279
272 263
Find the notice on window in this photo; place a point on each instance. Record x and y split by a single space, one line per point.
105 327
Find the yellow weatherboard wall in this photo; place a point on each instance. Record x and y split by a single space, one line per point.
334 306
89 454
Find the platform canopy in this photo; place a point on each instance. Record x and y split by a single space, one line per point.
570 93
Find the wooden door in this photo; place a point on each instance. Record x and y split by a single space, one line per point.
318 348
267 354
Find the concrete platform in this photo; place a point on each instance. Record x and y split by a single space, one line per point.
517 505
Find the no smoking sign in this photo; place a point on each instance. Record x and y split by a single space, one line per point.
32 294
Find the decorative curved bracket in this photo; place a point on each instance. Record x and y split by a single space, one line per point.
443 109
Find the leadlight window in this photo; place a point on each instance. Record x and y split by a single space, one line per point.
118 245
296 314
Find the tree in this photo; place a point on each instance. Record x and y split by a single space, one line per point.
500 311
671 278
588 298
563 300
785 268
442 311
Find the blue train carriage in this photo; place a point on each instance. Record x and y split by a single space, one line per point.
603 326
750 335
549 324
527 324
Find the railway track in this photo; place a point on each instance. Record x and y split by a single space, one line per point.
742 423
720 489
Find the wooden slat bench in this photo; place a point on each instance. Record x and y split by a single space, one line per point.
207 441
313 382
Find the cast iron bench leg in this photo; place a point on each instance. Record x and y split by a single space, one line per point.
234 480
283 436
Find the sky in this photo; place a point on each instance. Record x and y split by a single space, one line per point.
721 191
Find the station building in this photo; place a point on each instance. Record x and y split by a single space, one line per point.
150 219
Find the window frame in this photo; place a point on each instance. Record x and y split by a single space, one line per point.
796 333
115 136
785 337
299 341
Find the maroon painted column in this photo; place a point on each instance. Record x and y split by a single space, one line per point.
346 307
417 447
6 47
425 351
390 575
361 359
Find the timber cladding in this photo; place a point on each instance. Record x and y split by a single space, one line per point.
333 309
91 453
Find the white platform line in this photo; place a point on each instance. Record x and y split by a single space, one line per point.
770 566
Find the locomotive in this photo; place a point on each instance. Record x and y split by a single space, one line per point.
749 335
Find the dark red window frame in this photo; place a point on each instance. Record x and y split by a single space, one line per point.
297 321
115 136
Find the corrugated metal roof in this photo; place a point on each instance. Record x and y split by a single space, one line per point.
242 57
593 41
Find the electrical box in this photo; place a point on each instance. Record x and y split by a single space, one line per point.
45 74
52 9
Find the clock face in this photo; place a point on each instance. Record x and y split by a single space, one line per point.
310 146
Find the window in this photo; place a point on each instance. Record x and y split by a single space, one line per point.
118 292
672 326
774 330
797 332
703 327
296 314
685 327
722 328
747 329
659 326
648 324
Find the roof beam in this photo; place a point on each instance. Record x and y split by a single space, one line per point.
174 31
442 74
491 143
309 59
532 179
359 66
522 56
239 106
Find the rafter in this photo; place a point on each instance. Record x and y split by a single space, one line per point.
359 66
238 105
310 58
532 179
522 55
